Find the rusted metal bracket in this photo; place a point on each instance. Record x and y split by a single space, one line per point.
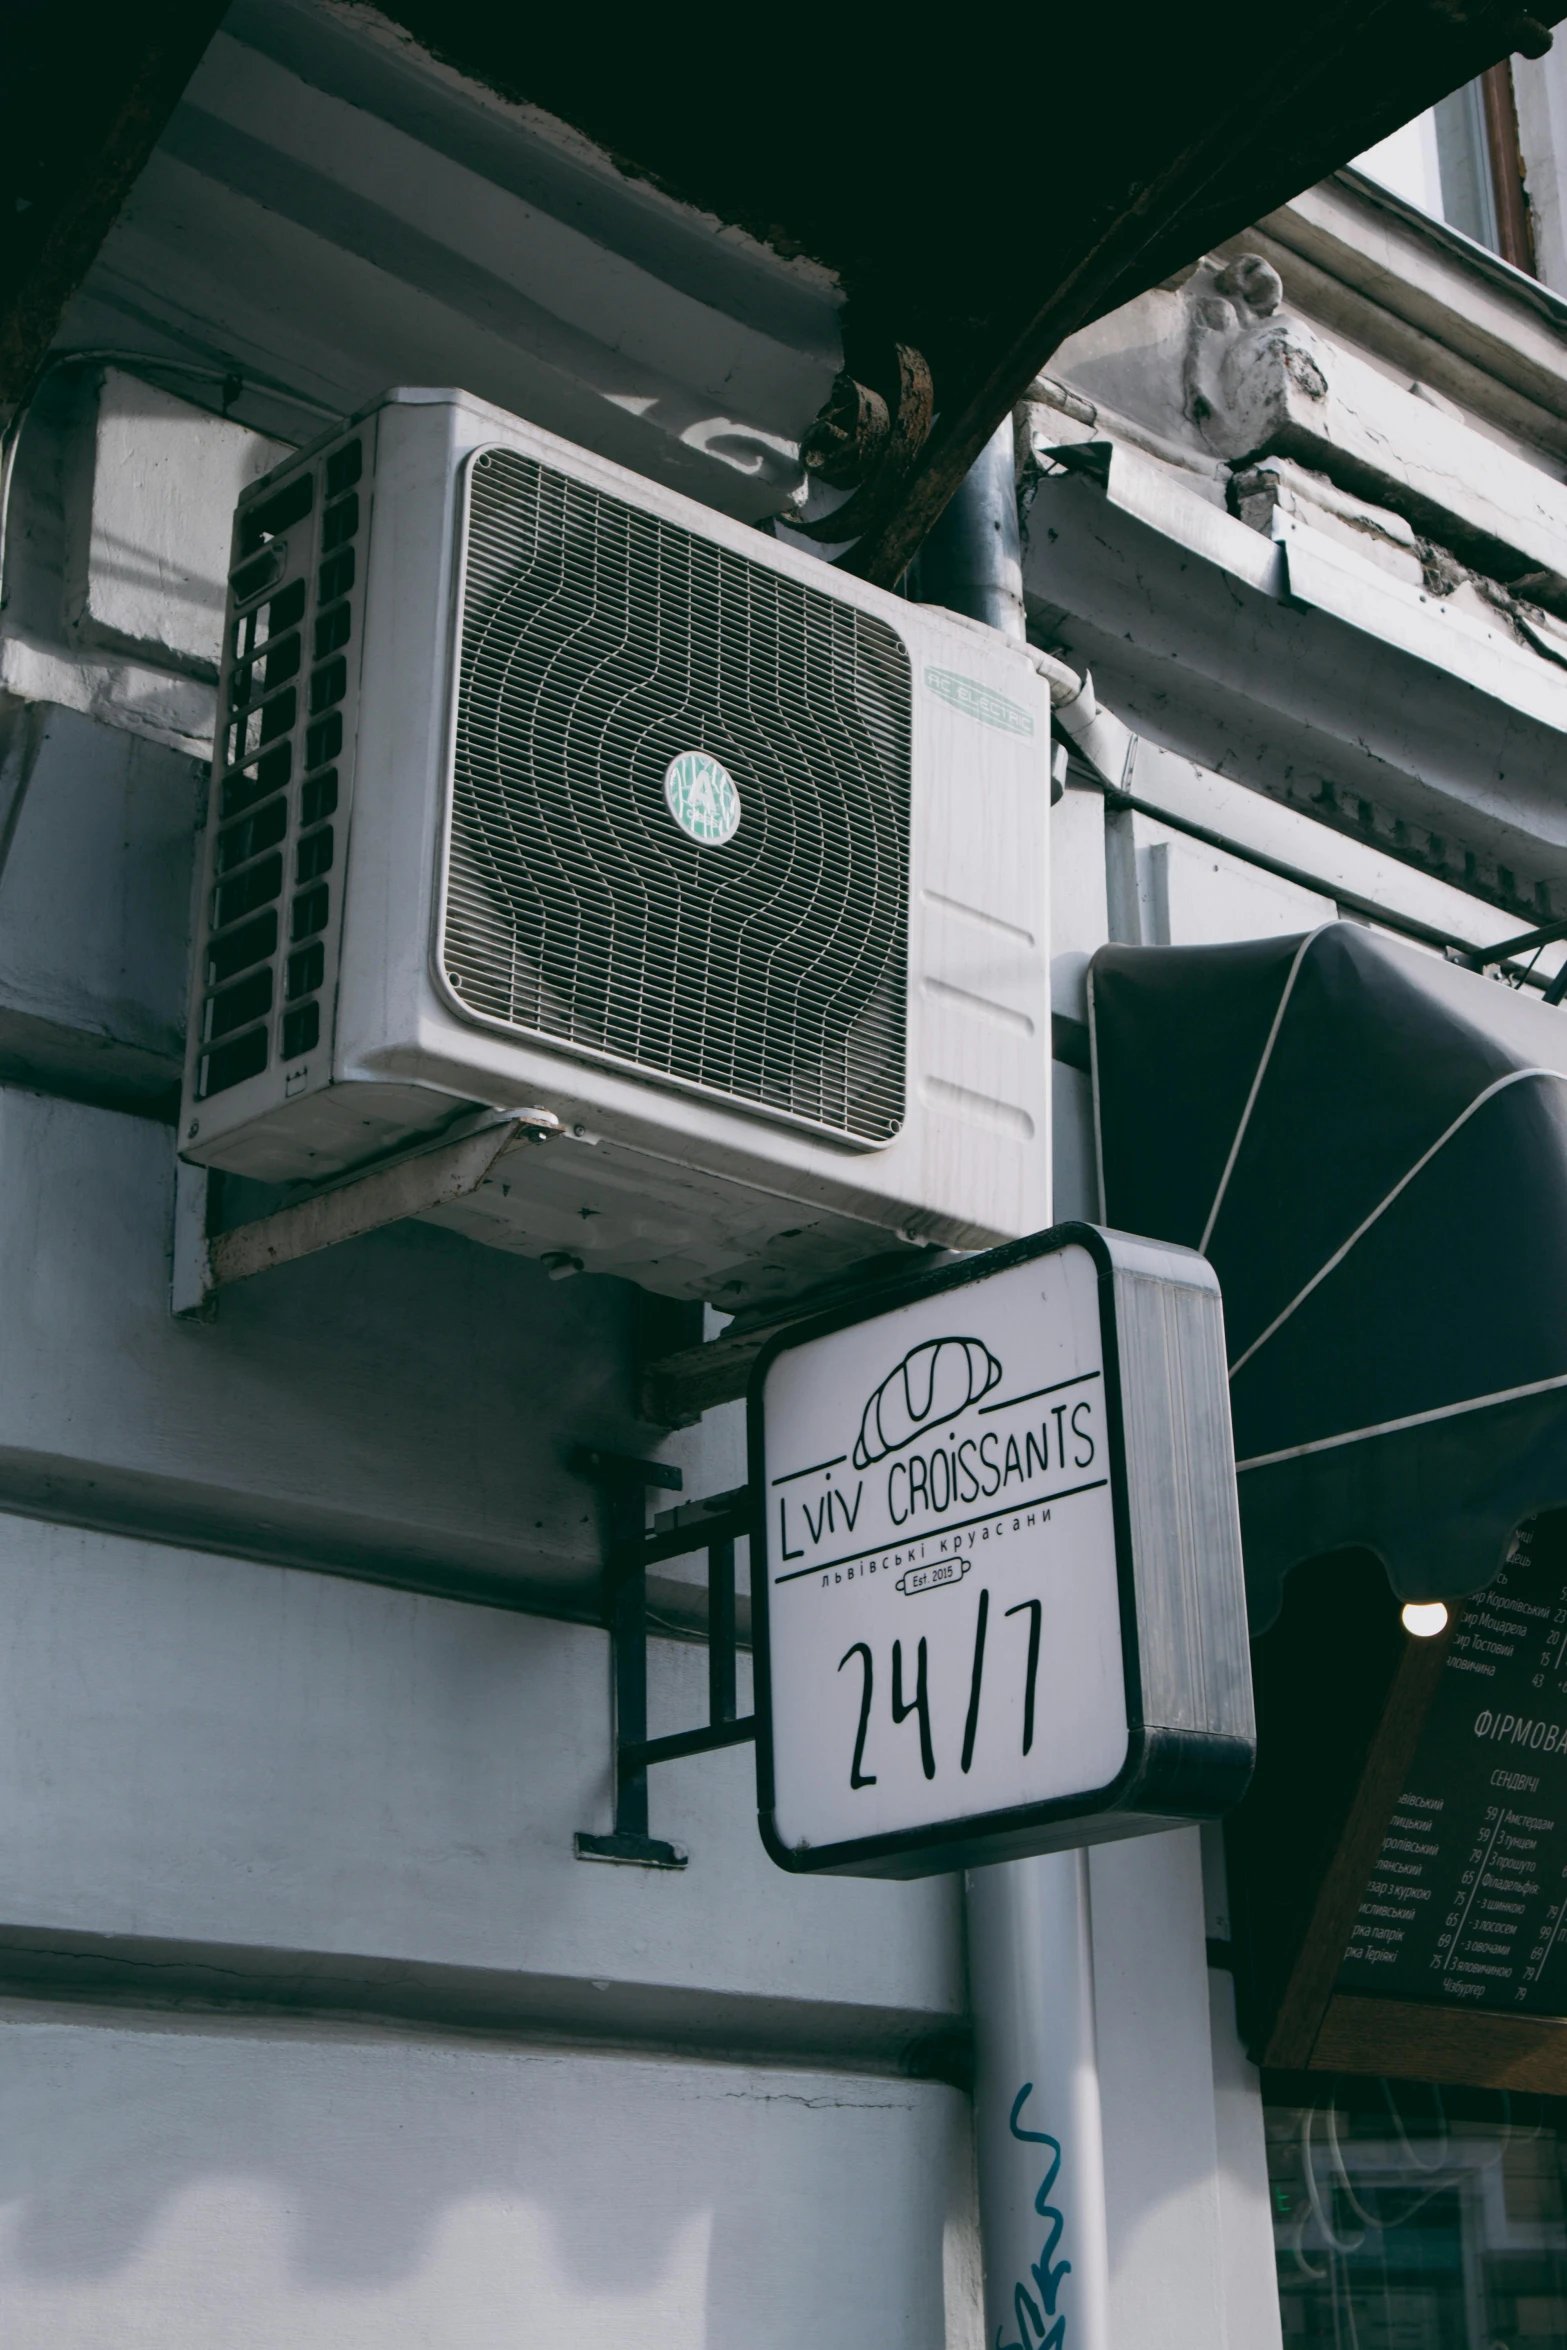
714 1527
857 441
678 1388
428 1176
1508 949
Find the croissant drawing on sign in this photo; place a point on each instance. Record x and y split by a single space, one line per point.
934 1382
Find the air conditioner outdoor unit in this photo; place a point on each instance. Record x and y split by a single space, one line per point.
539 786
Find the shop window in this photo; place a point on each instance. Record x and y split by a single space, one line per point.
1410 2218
1460 162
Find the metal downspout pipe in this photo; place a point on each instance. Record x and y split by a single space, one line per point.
1036 2094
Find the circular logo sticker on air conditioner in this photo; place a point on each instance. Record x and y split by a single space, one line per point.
702 799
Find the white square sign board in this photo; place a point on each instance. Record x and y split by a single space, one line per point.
946 1607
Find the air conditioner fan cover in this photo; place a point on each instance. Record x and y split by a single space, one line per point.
679 831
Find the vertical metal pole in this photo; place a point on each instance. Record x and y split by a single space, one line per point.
973 560
1030 1945
1036 2104
628 1631
721 1632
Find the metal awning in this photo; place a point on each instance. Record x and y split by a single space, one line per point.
1370 1144
976 198
980 197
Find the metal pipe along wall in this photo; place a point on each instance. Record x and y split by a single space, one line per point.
1036 2092
1036 2106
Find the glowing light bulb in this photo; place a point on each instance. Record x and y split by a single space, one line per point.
1424 1618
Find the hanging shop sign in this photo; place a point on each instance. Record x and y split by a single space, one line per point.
998 1596
1399 1870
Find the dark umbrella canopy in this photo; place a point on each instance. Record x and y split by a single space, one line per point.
1371 1146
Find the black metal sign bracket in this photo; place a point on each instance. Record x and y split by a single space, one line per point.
632 1550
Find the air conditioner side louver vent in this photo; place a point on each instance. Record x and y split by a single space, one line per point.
598 644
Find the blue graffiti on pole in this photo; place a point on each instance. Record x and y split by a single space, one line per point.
1029 2312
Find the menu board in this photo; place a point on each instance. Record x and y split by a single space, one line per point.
1466 1906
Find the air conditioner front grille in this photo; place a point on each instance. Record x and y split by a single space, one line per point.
599 645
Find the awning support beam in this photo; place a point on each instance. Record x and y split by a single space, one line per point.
1527 943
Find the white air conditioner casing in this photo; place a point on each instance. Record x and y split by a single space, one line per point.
443 867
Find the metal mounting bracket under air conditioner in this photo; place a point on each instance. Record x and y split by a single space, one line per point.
410 1182
715 1526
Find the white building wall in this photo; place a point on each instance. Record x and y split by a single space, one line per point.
315 2027
229 1785
231 1780
170 2183
1156 2083
95 853
402 1407
368 1796
233 1783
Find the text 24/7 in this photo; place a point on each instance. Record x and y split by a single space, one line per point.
917 1702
